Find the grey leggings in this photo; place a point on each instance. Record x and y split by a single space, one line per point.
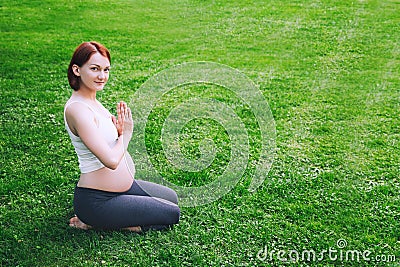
145 204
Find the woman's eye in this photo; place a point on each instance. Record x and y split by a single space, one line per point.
94 68
106 70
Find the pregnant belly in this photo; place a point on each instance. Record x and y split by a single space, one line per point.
118 180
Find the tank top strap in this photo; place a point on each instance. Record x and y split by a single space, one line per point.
77 101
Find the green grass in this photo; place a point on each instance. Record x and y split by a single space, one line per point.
328 69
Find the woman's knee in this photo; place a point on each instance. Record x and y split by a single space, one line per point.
168 210
158 191
175 214
173 197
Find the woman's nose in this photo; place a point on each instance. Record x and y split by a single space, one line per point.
102 75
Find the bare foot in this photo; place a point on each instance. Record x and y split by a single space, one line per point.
75 222
136 229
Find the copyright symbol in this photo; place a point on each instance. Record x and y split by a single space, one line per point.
341 243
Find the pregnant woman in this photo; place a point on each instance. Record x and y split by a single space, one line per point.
107 195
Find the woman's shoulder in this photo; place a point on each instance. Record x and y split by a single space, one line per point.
78 109
73 104
80 115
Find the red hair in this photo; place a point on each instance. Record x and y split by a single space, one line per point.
81 55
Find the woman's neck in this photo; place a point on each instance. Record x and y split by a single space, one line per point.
82 94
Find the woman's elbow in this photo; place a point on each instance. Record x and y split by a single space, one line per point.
112 164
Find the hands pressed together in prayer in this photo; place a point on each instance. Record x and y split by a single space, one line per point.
124 121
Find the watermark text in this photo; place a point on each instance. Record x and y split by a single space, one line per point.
339 253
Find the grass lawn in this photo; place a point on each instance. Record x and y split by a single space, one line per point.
329 71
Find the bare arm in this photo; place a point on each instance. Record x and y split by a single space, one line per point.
84 125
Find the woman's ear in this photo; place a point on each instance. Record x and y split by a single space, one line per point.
75 69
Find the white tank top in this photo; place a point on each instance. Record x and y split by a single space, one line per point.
88 162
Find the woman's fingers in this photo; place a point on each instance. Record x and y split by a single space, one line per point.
121 112
125 111
129 114
124 106
124 121
120 119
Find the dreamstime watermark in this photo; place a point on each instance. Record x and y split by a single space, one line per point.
152 94
340 253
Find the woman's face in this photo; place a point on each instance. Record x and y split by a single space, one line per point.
94 73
